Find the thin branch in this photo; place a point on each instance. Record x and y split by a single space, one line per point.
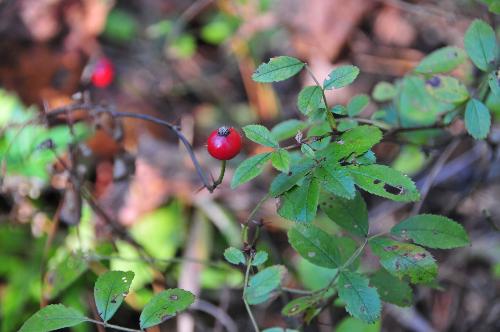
247 306
116 327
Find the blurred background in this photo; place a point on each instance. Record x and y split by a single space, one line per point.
190 63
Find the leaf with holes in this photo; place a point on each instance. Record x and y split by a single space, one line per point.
341 77
287 129
281 160
351 324
361 300
285 181
277 69
260 135
164 305
310 99
481 44
447 89
301 202
53 317
109 291
415 105
392 289
234 256
442 60
357 104
350 214
259 258
315 245
261 285
432 231
336 181
477 119
249 169
384 181
404 259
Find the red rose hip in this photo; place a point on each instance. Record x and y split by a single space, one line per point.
224 143
103 73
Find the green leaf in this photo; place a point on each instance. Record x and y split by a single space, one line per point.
350 214
392 289
259 258
299 305
310 99
287 129
357 104
307 150
477 119
249 169
260 135
261 285
442 60
53 317
284 182
315 245
281 160
404 259
432 231
494 83
415 105
279 329
362 301
447 89
234 256
340 77
351 324
109 291
384 181
301 202
164 305
384 91
64 273
335 181
339 109
481 44
277 69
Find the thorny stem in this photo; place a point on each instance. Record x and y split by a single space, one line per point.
116 327
247 306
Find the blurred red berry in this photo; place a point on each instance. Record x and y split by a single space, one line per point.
224 143
103 73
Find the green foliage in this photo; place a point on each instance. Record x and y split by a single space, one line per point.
442 60
120 26
301 202
260 135
336 181
281 160
448 90
384 91
481 45
66 268
310 99
284 182
350 324
110 290
362 301
494 83
277 69
357 105
350 214
249 169
392 289
432 231
234 256
287 129
341 77
53 317
263 284
477 119
164 305
259 258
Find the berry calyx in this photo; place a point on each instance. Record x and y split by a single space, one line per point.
224 143
103 73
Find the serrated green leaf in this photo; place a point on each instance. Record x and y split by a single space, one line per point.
357 104
53 317
336 181
384 181
477 119
351 324
234 256
259 258
261 285
339 109
447 89
164 305
392 289
109 291
307 150
284 182
481 44
432 231
442 60
249 169
321 129
281 160
494 82
350 214
64 273
287 129
260 135
310 99
384 91
361 300
341 77
277 69
301 202
315 245
299 305
404 259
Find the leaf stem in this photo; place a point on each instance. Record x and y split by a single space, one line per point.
250 216
329 115
221 175
247 306
116 327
